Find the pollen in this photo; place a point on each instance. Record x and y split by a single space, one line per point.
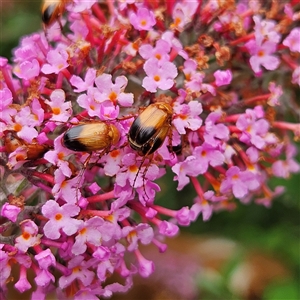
63 184
158 56
114 153
133 169
260 53
56 110
58 217
76 270
177 21
60 155
235 177
113 96
18 127
26 235
143 22
156 78
131 235
83 231
203 153
109 218
20 157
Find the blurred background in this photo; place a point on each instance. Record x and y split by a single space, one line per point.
250 253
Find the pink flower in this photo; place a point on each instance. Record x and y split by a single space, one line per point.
168 228
146 267
24 124
183 13
276 92
57 61
187 116
223 77
58 156
239 182
189 167
207 155
60 218
284 168
28 69
61 109
159 75
23 284
66 189
160 51
261 55
83 85
265 30
89 233
45 259
144 19
293 40
79 271
113 92
141 233
215 132
10 211
29 237
253 129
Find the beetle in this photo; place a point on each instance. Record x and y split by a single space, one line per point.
89 137
150 129
31 151
52 11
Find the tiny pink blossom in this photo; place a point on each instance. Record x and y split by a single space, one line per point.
79 271
45 259
29 237
61 109
261 55
183 13
83 85
89 233
23 284
276 92
28 69
223 77
239 182
215 132
57 61
142 232
159 75
187 116
10 211
58 156
160 51
113 92
293 40
60 218
167 228
144 19
266 30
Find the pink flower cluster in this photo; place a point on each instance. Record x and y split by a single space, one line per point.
227 72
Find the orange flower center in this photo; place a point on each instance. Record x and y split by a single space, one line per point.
26 235
56 110
156 78
58 217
